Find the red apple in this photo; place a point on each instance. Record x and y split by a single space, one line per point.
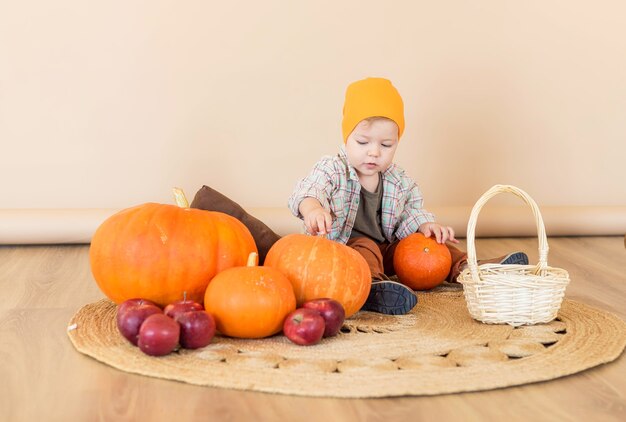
304 326
332 312
196 329
131 314
130 303
177 308
158 335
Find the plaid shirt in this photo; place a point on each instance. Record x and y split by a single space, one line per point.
335 184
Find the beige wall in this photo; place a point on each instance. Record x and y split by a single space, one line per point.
110 104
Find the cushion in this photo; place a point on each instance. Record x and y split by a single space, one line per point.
211 200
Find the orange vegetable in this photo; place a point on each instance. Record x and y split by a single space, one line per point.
249 302
420 262
160 252
319 268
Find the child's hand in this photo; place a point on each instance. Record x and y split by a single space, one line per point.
316 219
442 234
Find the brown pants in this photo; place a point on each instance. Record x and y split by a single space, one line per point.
379 256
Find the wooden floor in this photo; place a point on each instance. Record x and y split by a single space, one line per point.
42 377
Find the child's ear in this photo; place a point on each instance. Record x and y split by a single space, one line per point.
211 200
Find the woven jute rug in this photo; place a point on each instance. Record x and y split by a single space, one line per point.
437 348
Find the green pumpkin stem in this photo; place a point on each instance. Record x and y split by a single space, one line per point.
181 199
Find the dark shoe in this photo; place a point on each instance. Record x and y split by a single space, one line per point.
515 258
391 298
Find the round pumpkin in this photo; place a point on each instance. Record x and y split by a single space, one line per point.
420 262
249 302
160 252
319 268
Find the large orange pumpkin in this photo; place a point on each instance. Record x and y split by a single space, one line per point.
160 252
420 262
318 268
249 302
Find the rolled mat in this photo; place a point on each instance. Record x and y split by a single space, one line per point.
437 348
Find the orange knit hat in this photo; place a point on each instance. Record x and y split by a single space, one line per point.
371 97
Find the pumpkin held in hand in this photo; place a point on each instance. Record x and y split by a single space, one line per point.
158 252
319 268
250 301
420 262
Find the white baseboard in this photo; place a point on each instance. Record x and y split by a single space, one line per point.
59 226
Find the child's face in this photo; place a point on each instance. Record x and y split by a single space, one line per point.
371 146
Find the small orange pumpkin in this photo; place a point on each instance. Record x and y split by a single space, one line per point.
318 268
420 262
160 252
249 302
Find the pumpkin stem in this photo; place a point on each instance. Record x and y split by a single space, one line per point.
181 199
252 259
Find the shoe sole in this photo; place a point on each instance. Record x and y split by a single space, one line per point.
390 298
516 258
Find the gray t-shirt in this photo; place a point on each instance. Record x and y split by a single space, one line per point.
367 222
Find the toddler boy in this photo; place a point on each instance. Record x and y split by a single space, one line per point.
362 199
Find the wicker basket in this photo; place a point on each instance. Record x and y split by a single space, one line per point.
512 294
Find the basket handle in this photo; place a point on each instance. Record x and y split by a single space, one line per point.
471 228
